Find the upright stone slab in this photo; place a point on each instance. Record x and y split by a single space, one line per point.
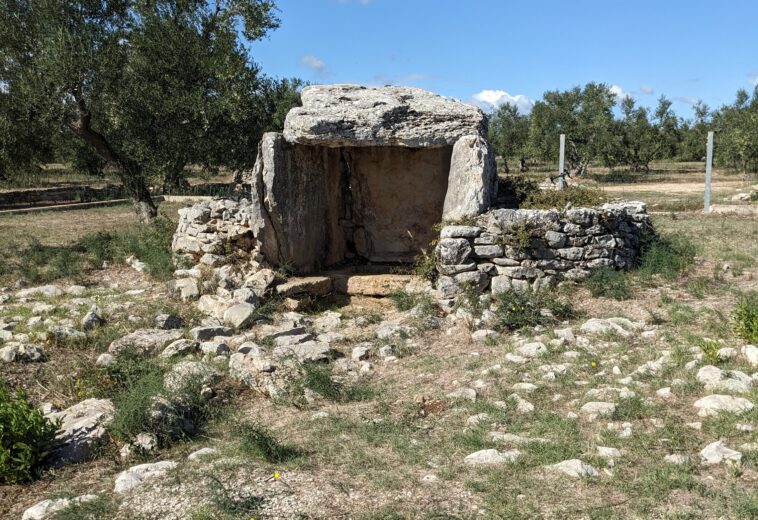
472 183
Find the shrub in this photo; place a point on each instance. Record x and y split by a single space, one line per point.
746 317
150 243
665 256
608 282
519 309
143 396
25 437
576 196
405 301
257 441
710 350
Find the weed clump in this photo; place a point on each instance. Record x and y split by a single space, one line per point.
259 442
25 437
664 256
608 282
520 309
710 350
746 317
318 378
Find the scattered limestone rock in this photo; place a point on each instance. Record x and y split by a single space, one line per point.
595 409
575 468
105 360
751 354
93 318
137 475
83 428
676 458
48 508
180 347
532 350
713 404
620 326
484 335
144 341
468 394
202 453
209 332
239 315
47 291
21 353
491 456
168 322
717 452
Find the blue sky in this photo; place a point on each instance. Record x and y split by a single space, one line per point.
488 51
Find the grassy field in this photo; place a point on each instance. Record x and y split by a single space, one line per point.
391 443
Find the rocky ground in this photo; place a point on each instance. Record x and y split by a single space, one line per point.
641 408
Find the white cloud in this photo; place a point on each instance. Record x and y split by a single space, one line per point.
753 78
646 89
489 100
620 93
317 65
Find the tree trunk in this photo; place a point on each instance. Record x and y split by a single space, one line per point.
130 174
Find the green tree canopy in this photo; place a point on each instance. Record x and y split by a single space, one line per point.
585 115
150 85
509 132
737 129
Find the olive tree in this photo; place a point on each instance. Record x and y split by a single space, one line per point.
585 115
508 133
151 86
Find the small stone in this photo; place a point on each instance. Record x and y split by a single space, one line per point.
360 353
202 453
180 347
575 468
208 333
484 335
93 318
608 453
105 360
713 404
491 456
136 475
595 409
532 350
676 458
717 452
239 315
463 393
48 508
751 354
168 322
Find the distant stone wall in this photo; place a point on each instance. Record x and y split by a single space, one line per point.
523 248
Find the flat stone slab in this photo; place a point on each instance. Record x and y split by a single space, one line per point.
144 341
371 284
83 428
137 475
310 285
354 115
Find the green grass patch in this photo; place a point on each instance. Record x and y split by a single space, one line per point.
665 256
610 283
257 441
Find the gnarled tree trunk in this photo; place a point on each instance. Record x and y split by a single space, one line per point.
130 174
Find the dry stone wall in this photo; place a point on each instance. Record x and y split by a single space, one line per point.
517 249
